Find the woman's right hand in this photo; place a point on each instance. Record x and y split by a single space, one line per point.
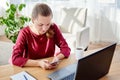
45 64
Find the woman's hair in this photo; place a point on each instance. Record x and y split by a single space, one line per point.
50 33
43 10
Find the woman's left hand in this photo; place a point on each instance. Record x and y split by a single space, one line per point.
55 61
45 64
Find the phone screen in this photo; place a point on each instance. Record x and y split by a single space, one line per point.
54 63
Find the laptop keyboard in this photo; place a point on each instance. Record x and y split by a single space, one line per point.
66 73
69 77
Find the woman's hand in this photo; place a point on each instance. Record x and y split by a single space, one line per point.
45 64
55 61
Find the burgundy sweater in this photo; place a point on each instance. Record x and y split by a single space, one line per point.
32 46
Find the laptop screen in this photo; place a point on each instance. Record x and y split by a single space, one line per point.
96 65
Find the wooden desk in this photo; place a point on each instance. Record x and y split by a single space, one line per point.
7 70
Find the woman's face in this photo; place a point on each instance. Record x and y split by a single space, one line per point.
42 23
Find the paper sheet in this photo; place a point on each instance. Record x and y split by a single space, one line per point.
22 76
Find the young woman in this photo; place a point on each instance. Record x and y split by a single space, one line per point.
38 41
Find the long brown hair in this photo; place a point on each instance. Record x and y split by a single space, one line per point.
43 10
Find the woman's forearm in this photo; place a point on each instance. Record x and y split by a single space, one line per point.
60 56
32 63
44 64
37 62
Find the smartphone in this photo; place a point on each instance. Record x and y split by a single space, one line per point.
54 63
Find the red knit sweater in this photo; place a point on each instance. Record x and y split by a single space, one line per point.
32 46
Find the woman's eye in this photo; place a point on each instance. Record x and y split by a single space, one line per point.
41 25
48 24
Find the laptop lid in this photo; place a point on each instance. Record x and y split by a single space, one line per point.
96 65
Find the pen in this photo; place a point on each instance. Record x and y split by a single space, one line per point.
25 77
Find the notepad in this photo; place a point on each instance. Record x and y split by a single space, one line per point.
22 76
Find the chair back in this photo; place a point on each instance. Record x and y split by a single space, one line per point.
72 19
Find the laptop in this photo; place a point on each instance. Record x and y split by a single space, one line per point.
91 67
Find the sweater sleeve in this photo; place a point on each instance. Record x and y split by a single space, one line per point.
61 42
18 57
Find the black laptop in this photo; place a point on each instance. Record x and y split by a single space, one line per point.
91 67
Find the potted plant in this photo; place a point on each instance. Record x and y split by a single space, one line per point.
13 20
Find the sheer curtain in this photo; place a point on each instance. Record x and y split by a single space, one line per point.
2 13
54 4
102 20
103 16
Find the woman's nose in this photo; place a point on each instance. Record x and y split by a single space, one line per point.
44 28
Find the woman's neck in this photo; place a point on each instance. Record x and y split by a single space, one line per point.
34 30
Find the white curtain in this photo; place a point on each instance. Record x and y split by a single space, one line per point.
103 16
102 20
2 13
